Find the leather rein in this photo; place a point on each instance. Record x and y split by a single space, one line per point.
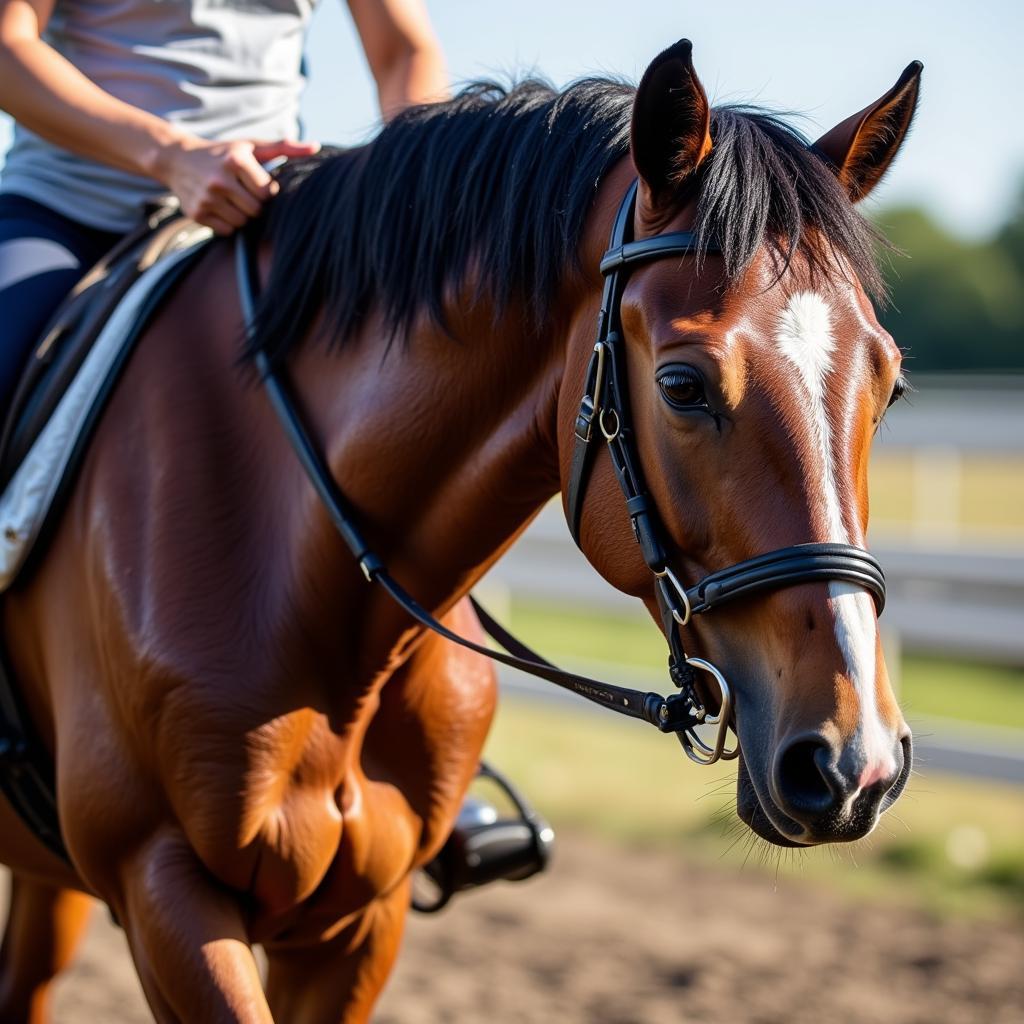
605 405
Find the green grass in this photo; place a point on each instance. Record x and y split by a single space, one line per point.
949 846
989 694
929 687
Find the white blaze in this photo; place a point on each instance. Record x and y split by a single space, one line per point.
805 338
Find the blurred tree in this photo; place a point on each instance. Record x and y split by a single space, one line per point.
956 305
1011 237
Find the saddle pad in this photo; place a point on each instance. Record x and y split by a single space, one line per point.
27 500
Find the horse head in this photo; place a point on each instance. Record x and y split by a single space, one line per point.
757 377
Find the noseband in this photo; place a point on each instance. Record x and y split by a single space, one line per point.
604 404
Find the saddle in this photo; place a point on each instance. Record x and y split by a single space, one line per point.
69 377
58 402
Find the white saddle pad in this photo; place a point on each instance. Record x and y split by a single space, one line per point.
28 497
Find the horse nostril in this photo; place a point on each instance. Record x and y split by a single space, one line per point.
805 780
895 785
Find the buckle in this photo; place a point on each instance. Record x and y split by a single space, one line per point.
585 419
591 402
672 588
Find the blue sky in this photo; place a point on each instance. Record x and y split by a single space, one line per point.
965 160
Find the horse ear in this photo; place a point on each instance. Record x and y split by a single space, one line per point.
861 148
671 130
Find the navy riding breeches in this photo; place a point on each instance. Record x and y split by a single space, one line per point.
42 255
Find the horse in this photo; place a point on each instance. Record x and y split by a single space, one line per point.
253 745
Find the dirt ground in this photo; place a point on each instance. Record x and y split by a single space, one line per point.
643 938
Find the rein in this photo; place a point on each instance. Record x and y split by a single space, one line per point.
604 403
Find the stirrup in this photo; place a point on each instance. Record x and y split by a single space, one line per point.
485 847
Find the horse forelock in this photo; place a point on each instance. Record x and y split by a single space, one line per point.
764 187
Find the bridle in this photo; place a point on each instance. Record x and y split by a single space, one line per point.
605 404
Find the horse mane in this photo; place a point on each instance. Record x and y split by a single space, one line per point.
493 187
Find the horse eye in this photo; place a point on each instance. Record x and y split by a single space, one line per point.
899 389
682 388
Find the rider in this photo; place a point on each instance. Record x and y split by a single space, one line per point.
118 104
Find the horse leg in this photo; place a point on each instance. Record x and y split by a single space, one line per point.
422 751
188 939
338 981
44 926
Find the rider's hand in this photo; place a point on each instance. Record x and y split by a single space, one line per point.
222 184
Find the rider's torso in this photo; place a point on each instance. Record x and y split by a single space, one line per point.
220 70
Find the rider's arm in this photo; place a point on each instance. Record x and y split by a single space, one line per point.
402 51
220 184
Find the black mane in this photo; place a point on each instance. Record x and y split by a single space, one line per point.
497 183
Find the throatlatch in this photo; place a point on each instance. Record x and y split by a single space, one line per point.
604 403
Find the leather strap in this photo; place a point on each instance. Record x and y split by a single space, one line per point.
786 567
605 376
669 714
630 254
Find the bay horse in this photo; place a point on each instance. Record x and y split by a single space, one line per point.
252 744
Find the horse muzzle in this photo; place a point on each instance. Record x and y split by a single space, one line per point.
816 793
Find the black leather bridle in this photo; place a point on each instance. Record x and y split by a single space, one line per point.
605 406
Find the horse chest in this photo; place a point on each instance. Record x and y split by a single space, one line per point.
375 849
264 812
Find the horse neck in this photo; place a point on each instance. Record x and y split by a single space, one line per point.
438 443
446 444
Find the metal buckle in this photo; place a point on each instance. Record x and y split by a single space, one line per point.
610 433
667 574
696 749
590 406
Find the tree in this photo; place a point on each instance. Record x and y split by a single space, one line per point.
956 305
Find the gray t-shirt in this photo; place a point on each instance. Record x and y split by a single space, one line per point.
221 69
